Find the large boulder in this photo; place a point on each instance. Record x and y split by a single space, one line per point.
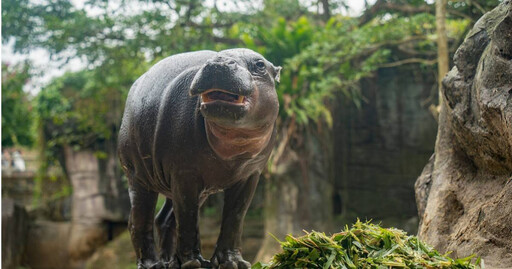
465 192
46 246
53 245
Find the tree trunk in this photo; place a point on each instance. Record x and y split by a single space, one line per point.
326 13
443 63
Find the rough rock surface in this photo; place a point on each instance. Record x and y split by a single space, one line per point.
381 147
99 201
99 212
297 193
45 248
466 193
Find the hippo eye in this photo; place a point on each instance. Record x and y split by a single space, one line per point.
260 64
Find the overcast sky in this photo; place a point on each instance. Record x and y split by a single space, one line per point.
49 69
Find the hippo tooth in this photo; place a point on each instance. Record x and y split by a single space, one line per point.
205 98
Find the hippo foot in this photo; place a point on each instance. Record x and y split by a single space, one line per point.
171 264
149 264
229 259
194 261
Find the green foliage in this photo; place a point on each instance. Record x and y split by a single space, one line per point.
282 41
17 115
59 109
365 245
289 9
279 44
84 108
321 61
154 28
348 53
471 10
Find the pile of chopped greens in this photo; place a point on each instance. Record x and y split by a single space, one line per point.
365 245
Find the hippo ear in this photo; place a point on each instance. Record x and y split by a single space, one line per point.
277 73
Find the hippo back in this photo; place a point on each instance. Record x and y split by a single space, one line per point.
137 132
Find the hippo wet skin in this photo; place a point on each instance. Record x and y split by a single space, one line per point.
196 123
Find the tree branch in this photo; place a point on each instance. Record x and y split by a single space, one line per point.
460 14
384 5
225 40
410 51
408 61
214 25
477 5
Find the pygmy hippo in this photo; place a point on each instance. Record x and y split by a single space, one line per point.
196 123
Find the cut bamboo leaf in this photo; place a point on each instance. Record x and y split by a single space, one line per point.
365 245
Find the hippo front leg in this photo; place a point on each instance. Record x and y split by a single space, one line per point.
186 191
140 226
236 202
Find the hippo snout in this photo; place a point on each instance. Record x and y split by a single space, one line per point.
219 67
223 73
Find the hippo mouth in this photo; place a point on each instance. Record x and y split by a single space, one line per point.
219 95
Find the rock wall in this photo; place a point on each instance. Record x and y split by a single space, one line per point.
298 192
99 211
99 200
381 147
465 192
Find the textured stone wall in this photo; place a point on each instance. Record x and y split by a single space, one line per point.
99 197
380 148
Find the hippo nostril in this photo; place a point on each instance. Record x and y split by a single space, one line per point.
222 65
222 60
218 60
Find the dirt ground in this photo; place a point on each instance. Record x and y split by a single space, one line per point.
119 253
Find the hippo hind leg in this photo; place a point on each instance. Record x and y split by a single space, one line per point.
165 223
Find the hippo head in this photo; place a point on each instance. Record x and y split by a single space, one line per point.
238 101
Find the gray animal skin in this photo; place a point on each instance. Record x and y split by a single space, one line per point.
196 123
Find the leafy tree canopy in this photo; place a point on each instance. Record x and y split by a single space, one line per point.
17 116
322 52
